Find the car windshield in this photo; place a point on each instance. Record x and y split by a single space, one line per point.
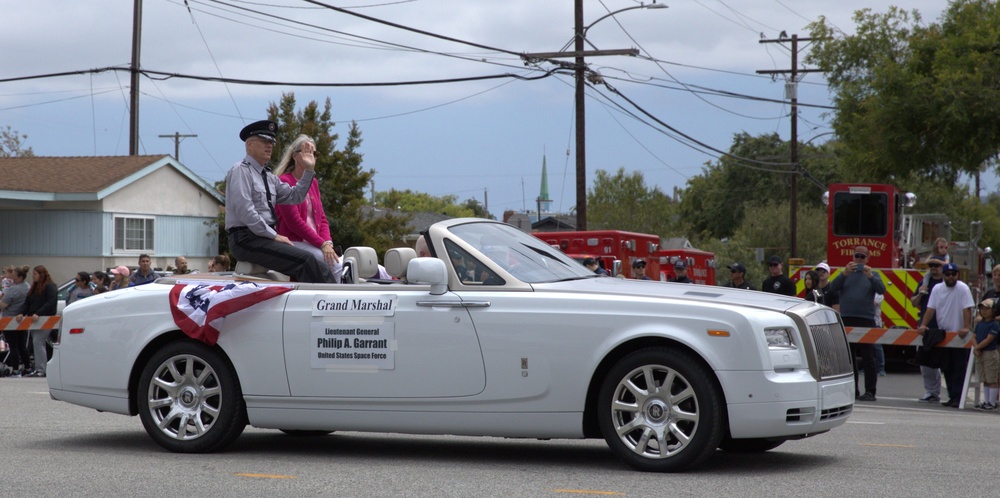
525 257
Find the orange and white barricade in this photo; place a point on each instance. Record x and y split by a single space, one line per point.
43 323
910 337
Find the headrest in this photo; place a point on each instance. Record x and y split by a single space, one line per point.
396 260
366 258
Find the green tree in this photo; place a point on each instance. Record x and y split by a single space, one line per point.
477 208
915 100
10 144
765 234
715 202
409 201
623 202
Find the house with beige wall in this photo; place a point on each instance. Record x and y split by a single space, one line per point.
93 213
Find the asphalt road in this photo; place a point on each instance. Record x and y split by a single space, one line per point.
893 447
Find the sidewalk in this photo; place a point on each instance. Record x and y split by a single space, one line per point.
901 389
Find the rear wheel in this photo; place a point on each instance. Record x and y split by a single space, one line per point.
659 410
190 400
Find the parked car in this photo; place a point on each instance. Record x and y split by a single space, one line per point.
536 347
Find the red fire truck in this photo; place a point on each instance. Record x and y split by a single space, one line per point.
609 246
874 216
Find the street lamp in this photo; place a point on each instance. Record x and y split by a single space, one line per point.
581 123
653 5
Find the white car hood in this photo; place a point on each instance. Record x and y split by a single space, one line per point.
674 292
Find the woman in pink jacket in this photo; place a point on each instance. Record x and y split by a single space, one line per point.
304 223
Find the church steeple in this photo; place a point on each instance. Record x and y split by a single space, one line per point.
544 202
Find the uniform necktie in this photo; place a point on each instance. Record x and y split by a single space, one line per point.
267 190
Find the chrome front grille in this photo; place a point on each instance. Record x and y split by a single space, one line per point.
833 355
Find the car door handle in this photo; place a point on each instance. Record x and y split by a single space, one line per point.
454 304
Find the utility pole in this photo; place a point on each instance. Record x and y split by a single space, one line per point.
581 120
791 93
177 143
133 121
580 74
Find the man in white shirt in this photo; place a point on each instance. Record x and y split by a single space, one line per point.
952 305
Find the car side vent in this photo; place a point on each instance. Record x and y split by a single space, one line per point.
799 415
839 412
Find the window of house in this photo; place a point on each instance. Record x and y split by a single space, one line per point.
134 234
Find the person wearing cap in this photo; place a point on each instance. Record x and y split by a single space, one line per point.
929 359
120 281
778 282
593 265
639 269
985 350
857 286
737 277
252 190
830 298
951 305
681 273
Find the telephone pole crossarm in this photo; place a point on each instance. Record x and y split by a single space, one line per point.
177 143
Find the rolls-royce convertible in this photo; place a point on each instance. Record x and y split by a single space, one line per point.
495 334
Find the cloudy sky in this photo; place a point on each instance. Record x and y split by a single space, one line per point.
484 138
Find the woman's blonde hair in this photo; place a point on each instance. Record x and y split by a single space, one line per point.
287 162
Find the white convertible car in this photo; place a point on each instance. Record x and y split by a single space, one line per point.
523 342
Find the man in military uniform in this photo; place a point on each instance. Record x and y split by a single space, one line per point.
251 193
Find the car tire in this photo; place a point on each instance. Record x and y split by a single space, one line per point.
752 445
190 400
660 411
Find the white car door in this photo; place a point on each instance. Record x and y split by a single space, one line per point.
380 341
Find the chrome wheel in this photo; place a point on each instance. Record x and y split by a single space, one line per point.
655 411
184 397
660 410
189 398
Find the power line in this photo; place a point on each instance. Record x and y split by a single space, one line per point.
162 75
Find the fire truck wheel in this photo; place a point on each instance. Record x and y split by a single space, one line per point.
660 411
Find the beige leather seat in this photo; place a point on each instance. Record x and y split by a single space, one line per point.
396 260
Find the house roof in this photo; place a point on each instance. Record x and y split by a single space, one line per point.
82 178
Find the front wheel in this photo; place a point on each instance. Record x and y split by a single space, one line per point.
659 411
190 400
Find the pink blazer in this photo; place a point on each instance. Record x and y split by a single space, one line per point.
292 217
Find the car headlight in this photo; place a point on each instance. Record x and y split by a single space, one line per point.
779 338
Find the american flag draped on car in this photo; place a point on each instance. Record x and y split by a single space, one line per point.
199 309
